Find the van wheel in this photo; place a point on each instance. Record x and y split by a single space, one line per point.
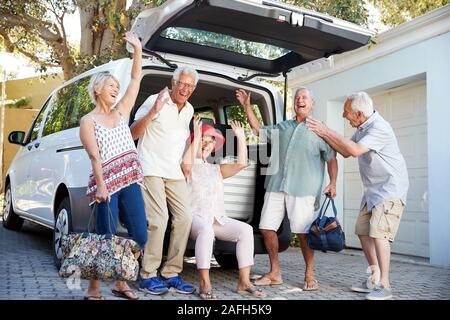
227 260
10 219
63 226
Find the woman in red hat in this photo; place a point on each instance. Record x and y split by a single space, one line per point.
209 219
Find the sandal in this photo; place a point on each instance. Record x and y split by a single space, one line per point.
266 281
207 295
124 294
99 297
310 284
252 291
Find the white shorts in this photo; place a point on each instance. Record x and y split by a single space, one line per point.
300 211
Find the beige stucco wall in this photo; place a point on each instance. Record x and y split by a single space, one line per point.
35 88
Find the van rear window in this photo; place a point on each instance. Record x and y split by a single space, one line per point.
224 42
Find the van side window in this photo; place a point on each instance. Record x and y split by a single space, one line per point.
58 110
206 113
81 104
37 123
236 112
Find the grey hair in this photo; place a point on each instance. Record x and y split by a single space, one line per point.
311 93
97 82
361 101
185 70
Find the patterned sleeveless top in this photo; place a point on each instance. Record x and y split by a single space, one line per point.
120 160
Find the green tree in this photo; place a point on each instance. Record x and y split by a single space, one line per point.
36 30
395 12
350 10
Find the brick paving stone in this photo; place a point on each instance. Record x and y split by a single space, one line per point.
27 272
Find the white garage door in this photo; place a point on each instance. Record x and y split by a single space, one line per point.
405 109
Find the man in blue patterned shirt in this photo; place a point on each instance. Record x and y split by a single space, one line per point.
296 185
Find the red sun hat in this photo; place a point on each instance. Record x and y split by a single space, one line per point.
208 130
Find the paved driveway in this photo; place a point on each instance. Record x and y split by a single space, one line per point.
27 272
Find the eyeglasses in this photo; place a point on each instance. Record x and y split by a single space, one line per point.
184 84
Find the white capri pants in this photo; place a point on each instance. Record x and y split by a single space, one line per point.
204 230
300 211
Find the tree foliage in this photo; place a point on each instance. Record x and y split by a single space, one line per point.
395 12
350 10
36 29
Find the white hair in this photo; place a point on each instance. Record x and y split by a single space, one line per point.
311 94
185 70
97 82
361 101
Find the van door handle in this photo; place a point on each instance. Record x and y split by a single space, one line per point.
36 145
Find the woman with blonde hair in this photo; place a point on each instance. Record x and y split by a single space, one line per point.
116 169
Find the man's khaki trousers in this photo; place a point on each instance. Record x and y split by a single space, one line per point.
161 195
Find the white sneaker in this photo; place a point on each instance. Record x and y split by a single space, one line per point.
380 293
365 287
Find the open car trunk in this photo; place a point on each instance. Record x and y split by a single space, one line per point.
244 192
264 36
215 95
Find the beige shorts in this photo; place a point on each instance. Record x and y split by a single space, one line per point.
300 211
382 222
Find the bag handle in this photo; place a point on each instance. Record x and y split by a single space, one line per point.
110 218
328 199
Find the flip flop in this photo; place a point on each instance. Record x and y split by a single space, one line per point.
207 295
123 294
251 291
315 286
266 281
99 297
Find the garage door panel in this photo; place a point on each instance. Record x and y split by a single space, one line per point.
383 107
413 145
353 192
408 107
412 236
351 240
351 165
417 199
405 109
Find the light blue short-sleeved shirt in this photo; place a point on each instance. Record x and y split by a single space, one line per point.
383 168
300 159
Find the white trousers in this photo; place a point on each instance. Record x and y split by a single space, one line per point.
205 229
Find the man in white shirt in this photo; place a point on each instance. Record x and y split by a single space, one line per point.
162 127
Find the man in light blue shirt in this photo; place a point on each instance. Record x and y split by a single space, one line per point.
295 187
385 180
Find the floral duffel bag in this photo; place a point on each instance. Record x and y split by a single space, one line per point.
99 257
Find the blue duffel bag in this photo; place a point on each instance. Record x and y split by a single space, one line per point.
326 233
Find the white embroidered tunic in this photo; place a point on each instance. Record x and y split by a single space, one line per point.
206 191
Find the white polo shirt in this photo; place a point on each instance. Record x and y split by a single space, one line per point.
162 145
